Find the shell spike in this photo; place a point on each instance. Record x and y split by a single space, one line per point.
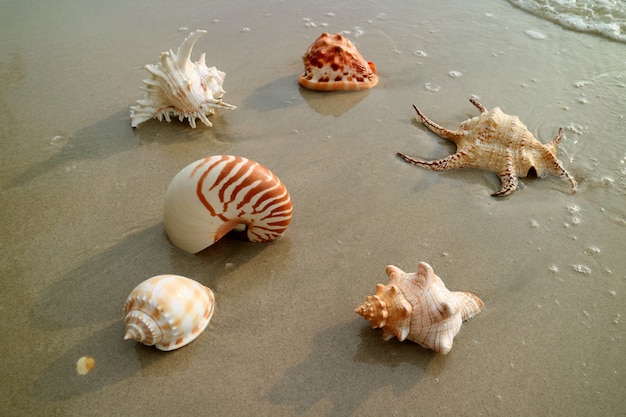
425 270
183 54
556 140
393 272
480 107
469 304
444 344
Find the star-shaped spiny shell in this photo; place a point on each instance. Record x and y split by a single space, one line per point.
497 142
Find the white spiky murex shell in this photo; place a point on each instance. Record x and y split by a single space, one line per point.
179 87
168 311
211 196
419 307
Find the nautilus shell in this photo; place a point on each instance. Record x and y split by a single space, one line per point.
332 63
179 87
168 311
211 196
419 307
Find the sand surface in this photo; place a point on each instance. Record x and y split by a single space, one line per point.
82 197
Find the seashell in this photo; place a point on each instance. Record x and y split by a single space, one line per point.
211 196
419 307
85 364
333 63
168 311
179 87
497 142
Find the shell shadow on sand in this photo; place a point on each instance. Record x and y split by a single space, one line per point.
275 95
95 292
114 363
285 92
346 373
113 135
334 103
88 301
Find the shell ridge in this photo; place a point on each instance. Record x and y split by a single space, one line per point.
228 173
248 193
272 200
235 176
469 304
200 193
262 199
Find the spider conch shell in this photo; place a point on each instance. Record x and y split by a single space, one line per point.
168 311
497 142
179 87
332 62
419 307
211 196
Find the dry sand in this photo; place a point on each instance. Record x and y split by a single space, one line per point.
82 194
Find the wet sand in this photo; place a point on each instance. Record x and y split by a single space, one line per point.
82 197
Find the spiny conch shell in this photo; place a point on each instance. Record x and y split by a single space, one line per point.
497 142
168 311
211 196
333 63
179 87
419 307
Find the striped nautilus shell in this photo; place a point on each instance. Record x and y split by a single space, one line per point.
419 307
211 196
168 311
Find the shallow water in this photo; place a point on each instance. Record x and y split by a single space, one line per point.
603 17
82 194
